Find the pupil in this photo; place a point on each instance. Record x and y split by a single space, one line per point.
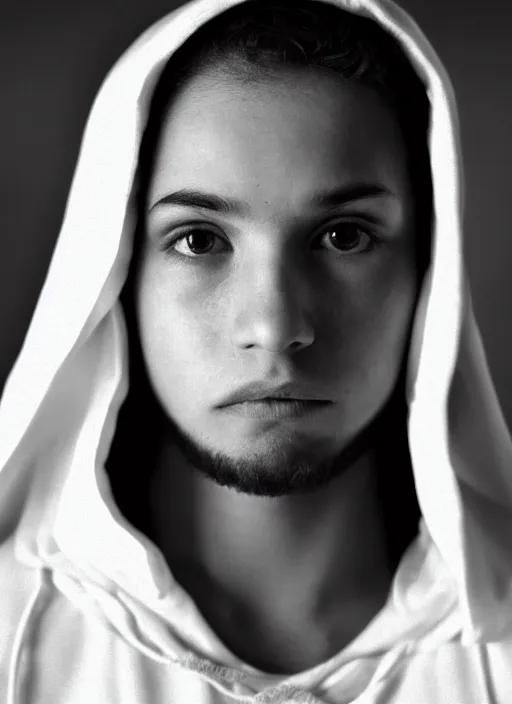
198 240
344 243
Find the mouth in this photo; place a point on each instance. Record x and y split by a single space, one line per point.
266 393
276 408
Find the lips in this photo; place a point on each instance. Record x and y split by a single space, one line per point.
276 408
258 391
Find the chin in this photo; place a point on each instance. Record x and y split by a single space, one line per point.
278 469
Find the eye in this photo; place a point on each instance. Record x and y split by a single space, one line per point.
342 237
348 238
194 243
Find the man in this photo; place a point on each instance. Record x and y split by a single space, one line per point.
280 312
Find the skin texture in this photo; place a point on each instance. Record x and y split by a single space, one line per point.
276 298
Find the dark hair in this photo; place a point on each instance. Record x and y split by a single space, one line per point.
254 39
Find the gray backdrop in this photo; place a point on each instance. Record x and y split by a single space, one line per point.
54 55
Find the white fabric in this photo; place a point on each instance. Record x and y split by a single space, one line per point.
88 608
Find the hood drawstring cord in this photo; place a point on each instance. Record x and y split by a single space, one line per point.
42 582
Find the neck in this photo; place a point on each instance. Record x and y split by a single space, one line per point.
266 572
314 563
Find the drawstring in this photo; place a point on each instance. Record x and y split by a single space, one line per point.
18 637
487 694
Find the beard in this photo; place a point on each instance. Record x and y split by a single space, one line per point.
283 471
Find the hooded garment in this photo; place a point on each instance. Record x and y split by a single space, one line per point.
89 610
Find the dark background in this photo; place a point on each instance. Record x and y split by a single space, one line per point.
54 55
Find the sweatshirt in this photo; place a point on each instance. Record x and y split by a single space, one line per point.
89 609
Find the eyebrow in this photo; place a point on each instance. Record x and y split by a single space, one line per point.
193 198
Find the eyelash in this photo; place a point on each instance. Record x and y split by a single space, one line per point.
168 246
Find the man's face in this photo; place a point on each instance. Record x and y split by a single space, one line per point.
309 278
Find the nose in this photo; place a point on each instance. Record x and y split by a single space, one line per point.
271 308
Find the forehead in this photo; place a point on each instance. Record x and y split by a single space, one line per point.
277 139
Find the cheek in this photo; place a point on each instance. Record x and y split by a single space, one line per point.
388 320
370 329
176 327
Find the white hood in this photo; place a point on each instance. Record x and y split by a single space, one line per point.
59 407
